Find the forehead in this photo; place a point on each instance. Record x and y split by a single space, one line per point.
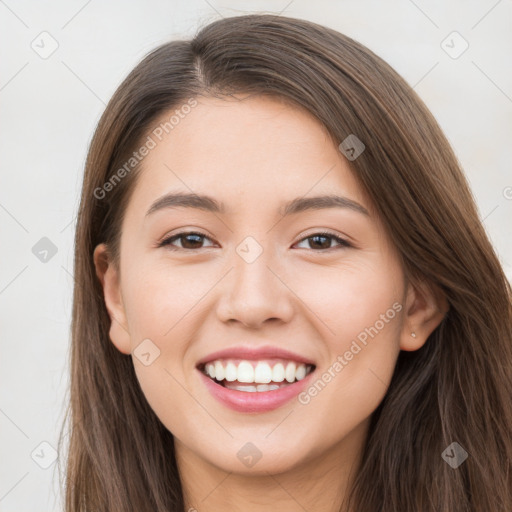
246 152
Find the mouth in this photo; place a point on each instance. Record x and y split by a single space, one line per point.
255 386
255 376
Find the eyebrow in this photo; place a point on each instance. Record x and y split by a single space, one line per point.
300 204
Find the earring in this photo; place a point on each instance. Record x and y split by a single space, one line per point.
413 334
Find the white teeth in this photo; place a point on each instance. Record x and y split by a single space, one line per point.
251 388
261 374
300 372
245 372
290 372
219 371
278 373
231 372
247 389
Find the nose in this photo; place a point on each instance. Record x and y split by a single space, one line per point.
255 292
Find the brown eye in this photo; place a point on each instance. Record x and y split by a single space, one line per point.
188 241
322 241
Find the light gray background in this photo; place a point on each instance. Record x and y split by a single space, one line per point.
50 107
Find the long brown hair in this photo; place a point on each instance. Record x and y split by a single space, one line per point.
456 388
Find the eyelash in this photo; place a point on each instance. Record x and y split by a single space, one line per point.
166 242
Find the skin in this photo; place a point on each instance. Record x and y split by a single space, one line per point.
254 154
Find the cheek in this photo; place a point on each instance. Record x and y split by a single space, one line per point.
161 301
354 301
361 312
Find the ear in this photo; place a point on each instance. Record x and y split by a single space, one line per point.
109 277
425 308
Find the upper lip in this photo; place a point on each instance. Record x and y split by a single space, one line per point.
255 353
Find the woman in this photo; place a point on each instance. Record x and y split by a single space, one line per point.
284 298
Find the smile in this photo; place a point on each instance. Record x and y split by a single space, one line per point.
257 386
256 376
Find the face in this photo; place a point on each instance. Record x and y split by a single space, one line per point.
303 305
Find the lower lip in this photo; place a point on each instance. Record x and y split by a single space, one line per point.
257 401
